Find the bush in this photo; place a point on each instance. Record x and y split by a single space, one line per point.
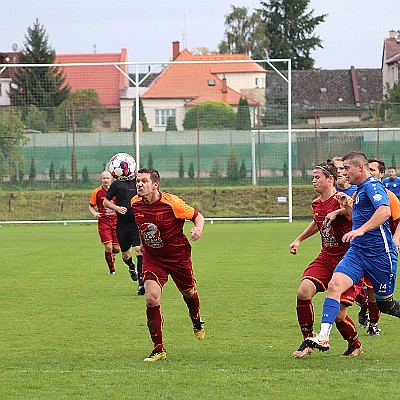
210 115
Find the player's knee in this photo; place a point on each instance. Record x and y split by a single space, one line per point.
389 306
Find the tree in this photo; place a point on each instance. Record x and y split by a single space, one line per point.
191 170
63 174
389 108
142 116
181 167
290 28
21 172
232 168
32 172
171 124
203 51
85 175
150 162
245 34
82 107
52 172
36 119
243 121
215 171
42 86
210 115
11 125
242 171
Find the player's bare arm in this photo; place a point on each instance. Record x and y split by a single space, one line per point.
311 229
119 209
94 212
330 217
197 230
381 214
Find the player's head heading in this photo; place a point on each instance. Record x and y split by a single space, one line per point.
328 169
154 175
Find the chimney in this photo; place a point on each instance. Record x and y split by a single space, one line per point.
224 87
392 34
175 50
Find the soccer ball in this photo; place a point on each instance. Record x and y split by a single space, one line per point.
122 166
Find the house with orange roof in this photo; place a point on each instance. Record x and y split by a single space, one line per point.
105 79
391 60
191 79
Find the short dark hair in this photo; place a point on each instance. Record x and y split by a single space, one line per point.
381 164
154 175
357 157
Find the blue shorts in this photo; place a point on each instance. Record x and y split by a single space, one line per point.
381 269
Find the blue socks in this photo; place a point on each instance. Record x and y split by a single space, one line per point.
330 310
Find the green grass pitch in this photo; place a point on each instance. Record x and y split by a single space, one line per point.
70 331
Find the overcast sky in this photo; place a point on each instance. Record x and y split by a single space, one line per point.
352 33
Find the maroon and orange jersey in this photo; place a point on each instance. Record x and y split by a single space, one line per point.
98 195
161 227
332 235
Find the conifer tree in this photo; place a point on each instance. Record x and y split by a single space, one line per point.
290 27
243 121
41 86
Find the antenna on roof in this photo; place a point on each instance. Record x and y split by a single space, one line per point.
14 47
94 48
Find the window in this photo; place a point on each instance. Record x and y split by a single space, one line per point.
106 124
211 82
162 115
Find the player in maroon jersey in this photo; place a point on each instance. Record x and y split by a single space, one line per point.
318 274
160 217
107 220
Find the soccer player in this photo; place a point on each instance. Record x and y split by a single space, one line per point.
372 251
106 221
318 274
342 183
369 313
127 231
392 182
166 251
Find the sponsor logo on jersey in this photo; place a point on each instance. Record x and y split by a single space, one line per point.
151 235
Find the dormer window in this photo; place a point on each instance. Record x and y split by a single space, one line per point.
211 82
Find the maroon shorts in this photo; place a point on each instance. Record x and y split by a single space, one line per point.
181 274
321 270
107 230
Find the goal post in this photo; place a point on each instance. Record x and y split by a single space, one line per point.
160 112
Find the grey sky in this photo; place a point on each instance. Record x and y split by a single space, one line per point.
352 33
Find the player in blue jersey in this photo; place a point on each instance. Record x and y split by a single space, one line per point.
342 183
372 251
392 183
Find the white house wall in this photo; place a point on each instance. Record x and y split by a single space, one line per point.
150 105
239 81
